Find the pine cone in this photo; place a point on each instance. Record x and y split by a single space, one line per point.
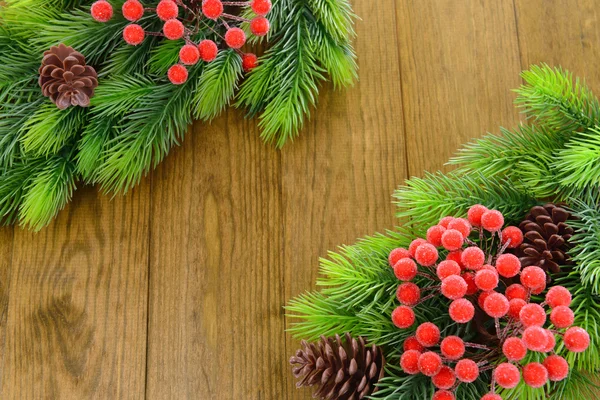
65 78
341 371
546 238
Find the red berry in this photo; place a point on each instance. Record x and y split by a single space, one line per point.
454 287
491 396
535 338
261 7
486 280
496 305
430 363
445 221
212 9
235 38
132 10
411 343
408 294
539 289
557 367
405 269
452 347
249 61
514 349
412 248
447 268
562 317
443 395
474 214
428 334
461 311
444 379
516 291
452 239
507 375
551 343
576 339
533 277
466 370
101 11
259 26
396 254
434 235
208 50
173 29
461 225
426 254
558 296
508 265
167 9
492 220
514 307
473 258
177 74
469 277
514 234
535 375
456 257
189 54
409 361
133 34
532 315
403 317
483 296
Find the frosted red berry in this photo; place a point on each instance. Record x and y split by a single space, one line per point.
473 258
208 50
514 308
397 254
475 213
212 9
167 9
426 254
177 74
412 248
466 370
173 29
491 396
456 257
452 239
576 339
411 343
496 305
408 294
443 395
447 268
514 234
133 34
444 379
235 38
469 277
452 347
445 221
189 54
558 296
562 317
535 375
101 11
557 368
132 10
492 220
533 277
261 7
486 279
532 315
430 363
535 338
259 26
409 361
405 269
516 291
483 296
428 334
461 311
403 317
551 342
454 287
539 289
461 225
507 375
514 349
508 265
434 235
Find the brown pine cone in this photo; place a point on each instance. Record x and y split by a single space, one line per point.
340 371
546 238
65 78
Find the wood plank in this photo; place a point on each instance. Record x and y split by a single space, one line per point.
6 251
338 176
215 327
76 325
459 61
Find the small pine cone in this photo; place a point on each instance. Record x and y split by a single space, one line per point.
546 239
65 78
341 371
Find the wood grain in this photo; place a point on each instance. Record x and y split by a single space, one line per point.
6 251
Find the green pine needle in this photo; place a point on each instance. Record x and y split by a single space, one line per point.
586 240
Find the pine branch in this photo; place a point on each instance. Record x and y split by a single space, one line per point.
336 16
163 56
13 182
586 240
12 118
338 58
579 162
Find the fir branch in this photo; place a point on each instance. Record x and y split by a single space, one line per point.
579 162
163 56
12 118
336 16
13 182
586 240
338 58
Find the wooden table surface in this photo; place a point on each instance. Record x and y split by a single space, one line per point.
175 291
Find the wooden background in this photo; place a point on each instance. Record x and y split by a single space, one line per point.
176 290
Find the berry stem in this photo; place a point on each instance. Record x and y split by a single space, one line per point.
235 17
477 346
236 3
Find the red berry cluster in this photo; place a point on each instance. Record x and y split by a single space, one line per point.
479 274
183 20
